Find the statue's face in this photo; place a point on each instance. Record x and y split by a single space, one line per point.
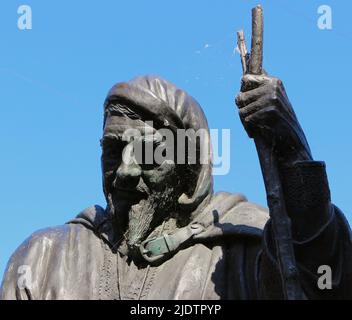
126 177
141 194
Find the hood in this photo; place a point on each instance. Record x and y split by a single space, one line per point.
160 101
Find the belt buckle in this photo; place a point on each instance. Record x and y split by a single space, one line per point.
144 251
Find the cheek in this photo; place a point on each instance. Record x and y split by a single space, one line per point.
159 177
109 167
108 173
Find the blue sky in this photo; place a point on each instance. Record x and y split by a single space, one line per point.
54 79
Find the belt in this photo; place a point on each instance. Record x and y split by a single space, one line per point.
155 248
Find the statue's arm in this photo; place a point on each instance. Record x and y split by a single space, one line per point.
321 235
14 286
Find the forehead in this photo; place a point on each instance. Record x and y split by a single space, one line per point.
119 125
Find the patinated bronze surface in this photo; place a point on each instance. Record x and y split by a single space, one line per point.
164 234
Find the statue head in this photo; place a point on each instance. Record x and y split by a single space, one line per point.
148 179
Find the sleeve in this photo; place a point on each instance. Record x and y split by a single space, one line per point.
16 283
321 238
25 274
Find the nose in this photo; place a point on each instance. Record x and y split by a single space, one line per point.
129 172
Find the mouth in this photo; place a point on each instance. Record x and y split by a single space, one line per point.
130 194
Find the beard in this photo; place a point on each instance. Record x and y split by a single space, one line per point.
137 221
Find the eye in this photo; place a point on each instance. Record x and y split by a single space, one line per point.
112 153
112 149
148 167
145 154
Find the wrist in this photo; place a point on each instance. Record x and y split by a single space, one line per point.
289 158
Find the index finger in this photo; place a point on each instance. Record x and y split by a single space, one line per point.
252 81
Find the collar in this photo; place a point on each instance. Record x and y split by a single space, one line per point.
227 215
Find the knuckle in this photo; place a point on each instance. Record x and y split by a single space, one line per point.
274 97
271 110
244 81
274 91
238 99
248 120
241 113
275 85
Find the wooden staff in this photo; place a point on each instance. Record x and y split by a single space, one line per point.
281 222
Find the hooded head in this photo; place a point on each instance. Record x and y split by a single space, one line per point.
148 105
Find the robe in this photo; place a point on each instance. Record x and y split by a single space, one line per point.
231 259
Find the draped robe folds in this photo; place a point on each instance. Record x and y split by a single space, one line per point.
230 260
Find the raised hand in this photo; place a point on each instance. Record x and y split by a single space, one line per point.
266 111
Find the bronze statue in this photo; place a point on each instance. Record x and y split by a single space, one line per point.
164 234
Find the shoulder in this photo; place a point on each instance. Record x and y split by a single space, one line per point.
248 213
86 223
44 248
39 242
229 215
237 210
31 257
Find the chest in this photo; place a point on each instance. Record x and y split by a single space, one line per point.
194 273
